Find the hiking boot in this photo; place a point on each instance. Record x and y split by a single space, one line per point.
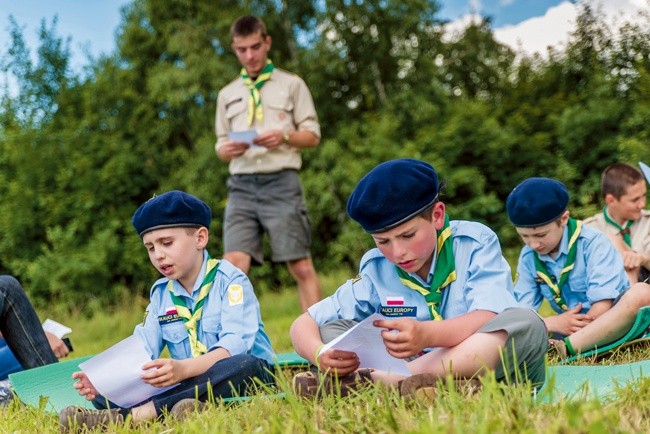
75 419
426 386
306 384
185 407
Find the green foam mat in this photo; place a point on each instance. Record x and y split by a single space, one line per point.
51 386
598 381
640 326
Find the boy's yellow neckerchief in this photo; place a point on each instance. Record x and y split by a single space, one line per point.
255 98
190 318
445 272
574 226
625 231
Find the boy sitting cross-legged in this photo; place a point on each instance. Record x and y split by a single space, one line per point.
216 340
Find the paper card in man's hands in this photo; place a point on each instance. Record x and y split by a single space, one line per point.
248 137
365 340
115 373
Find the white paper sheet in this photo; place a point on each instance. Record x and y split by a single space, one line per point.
115 373
365 340
247 137
57 329
646 171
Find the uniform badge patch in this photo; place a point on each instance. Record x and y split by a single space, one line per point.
356 279
235 295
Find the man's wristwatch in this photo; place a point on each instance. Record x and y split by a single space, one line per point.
285 138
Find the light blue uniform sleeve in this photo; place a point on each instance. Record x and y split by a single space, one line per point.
240 316
149 330
606 274
488 284
354 300
527 291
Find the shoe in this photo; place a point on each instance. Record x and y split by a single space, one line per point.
75 419
557 348
426 386
185 407
306 384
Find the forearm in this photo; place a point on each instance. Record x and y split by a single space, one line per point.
302 139
198 365
305 337
598 308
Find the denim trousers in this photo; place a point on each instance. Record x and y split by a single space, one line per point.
21 327
232 376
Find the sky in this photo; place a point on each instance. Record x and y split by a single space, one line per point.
529 25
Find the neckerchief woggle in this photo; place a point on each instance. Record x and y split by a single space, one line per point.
574 226
255 98
625 231
445 272
190 318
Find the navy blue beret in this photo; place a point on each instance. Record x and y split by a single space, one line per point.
171 209
393 193
536 202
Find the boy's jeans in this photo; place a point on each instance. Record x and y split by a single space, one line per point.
21 327
229 377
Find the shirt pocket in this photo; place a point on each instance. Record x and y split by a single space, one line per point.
236 108
175 335
578 283
281 104
211 327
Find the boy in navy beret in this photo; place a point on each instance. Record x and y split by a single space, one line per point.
203 310
456 310
576 268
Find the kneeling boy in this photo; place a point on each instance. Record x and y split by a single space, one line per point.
452 274
216 340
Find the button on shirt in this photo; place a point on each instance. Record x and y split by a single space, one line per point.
231 317
598 273
483 282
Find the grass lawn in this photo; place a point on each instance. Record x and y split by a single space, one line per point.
497 408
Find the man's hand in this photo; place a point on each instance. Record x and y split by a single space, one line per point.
338 362
165 372
58 346
568 322
271 139
632 260
231 149
84 386
404 338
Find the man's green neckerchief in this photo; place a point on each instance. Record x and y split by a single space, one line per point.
255 98
190 318
625 231
574 226
445 272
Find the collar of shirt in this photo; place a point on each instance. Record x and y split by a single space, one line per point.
180 291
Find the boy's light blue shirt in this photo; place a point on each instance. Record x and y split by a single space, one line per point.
483 282
233 323
598 273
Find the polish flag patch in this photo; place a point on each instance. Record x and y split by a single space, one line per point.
395 301
171 311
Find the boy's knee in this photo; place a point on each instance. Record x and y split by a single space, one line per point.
9 284
638 294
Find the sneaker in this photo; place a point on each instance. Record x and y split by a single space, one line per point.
185 407
557 348
306 384
425 386
76 419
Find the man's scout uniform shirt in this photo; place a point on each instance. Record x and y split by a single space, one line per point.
483 282
598 273
230 320
287 106
639 232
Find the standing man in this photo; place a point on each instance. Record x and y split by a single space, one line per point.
264 190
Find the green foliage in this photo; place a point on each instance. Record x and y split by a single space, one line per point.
79 153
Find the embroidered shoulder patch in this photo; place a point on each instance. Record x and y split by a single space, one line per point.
144 317
235 295
356 279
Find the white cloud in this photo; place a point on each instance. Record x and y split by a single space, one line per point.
536 34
